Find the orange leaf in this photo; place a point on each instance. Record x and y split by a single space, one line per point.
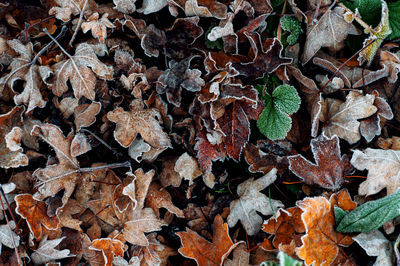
109 247
204 252
35 213
321 244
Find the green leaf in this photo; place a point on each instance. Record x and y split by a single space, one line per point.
370 10
284 260
293 26
371 215
339 214
274 121
394 19
286 99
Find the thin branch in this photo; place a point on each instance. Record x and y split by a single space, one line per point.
79 23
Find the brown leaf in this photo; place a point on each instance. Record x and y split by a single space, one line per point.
138 120
252 201
330 31
35 214
97 26
187 168
158 197
10 137
207 153
204 252
85 114
66 8
392 143
80 71
203 8
329 168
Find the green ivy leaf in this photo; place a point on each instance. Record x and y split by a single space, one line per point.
394 19
371 215
284 260
274 121
293 26
370 10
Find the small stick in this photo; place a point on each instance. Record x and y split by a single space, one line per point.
79 23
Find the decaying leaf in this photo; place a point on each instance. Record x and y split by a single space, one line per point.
158 197
8 237
330 31
139 120
329 168
202 251
97 26
80 70
383 170
252 201
376 245
109 248
46 251
35 214
85 114
341 118
10 137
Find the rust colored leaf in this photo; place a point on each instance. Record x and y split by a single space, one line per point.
207 153
139 120
158 197
321 243
10 137
35 214
329 168
202 251
109 248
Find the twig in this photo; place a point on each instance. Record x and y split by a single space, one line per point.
79 23
101 141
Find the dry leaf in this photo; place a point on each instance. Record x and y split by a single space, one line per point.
187 168
8 237
392 143
383 170
158 197
97 26
321 243
329 168
340 118
10 136
85 114
80 71
46 251
330 31
138 120
35 214
204 252
67 8
109 248
252 201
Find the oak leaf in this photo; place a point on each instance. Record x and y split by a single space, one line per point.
329 168
109 248
97 26
202 251
80 70
46 251
35 214
330 31
383 170
252 201
10 136
341 118
321 243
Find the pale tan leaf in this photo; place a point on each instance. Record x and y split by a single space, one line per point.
187 168
85 114
47 251
98 26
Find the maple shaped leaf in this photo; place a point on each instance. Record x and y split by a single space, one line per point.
139 120
32 74
80 70
62 175
97 26
340 118
329 168
35 214
252 201
383 170
330 31
202 251
10 137
321 243
109 248
140 222
67 8
47 251
267 57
